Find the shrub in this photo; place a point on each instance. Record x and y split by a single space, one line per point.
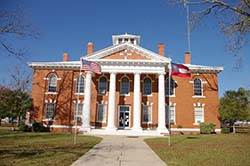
24 128
38 127
225 130
207 128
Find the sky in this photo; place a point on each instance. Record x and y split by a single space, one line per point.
67 26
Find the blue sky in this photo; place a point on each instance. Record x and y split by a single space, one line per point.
67 26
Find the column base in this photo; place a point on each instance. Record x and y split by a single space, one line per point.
113 128
162 130
85 129
138 129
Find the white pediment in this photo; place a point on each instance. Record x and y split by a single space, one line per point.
151 56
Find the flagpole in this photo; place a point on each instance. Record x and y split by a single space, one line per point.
77 104
169 81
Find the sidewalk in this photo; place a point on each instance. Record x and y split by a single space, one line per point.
120 151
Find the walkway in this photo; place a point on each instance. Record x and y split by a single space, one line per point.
120 151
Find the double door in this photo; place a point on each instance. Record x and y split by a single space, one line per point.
123 116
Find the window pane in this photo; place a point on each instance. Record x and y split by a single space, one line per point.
124 86
172 114
52 83
199 114
102 85
80 85
147 113
50 111
147 88
197 87
172 86
101 113
79 112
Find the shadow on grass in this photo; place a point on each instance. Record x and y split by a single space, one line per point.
184 139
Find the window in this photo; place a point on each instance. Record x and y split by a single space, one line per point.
120 40
172 86
197 87
50 111
124 86
198 114
147 113
101 113
102 85
78 111
80 85
147 86
132 41
172 114
52 83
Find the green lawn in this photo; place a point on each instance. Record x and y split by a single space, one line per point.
203 150
17 148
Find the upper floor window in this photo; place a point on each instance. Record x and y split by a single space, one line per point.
102 85
80 84
125 86
172 86
197 87
52 83
147 86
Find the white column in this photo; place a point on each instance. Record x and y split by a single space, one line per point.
87 102
137 103
161 104
111 104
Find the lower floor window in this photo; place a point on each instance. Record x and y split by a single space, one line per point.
172 114
50 111
78 111
198 115
147 113
101 113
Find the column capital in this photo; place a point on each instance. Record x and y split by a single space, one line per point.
113 73
137 73
161 73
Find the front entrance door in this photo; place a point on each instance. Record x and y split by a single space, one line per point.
123 116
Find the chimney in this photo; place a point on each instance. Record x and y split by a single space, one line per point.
90 48
65 57
187 57
161 49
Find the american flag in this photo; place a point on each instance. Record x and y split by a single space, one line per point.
90 66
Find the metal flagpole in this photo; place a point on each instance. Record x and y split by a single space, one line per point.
169 81
186 5
77 104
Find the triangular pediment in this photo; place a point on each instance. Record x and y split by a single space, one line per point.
126 51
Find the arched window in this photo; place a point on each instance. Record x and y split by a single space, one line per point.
52 83
147 86
102 85
80 84
124 86
197 87
172 86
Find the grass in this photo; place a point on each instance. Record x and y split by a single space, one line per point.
18 148
203 150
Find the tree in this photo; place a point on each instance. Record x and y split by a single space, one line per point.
235 105
13 24
233 18
3 102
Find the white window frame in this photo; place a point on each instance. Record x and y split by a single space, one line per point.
201 88
124 94
199 108
104 113
166 87
79 112
151 87
148 112
47 109
172 114
50 82
104 91
76 89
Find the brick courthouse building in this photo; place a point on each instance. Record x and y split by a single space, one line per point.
131 95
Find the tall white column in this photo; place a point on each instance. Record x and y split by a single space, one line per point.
111 104
87 102
161 104
137 103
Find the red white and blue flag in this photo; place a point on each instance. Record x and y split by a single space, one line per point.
180 70
90 66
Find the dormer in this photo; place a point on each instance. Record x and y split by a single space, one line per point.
133 39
